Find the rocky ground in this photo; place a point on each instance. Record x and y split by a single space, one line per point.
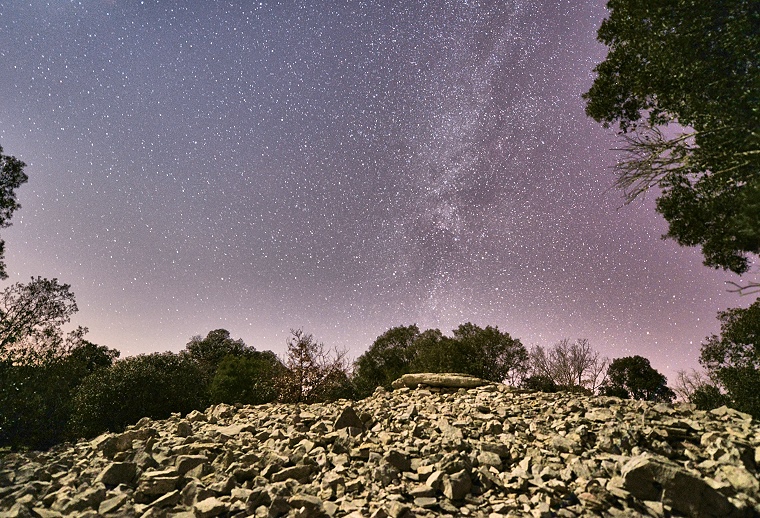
486 451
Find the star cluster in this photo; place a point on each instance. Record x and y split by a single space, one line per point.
341 166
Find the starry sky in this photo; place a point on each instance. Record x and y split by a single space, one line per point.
340 166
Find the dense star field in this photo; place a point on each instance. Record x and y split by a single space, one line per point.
339 166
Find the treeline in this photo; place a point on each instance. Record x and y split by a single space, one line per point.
56 387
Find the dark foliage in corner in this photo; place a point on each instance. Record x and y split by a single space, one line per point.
36 399
733 358
690 66
12 176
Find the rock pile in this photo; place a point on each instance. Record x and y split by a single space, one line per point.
488 451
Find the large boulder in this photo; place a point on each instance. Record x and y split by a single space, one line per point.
439 379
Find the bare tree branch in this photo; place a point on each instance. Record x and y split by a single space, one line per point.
650 156
744 289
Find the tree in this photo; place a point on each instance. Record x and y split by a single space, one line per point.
32 314
387 359
633 377
539 383
486 353
569 364
209 352
733 358
434 352
682 82
40 366
36 398
498 357
247 379
154 385
688 383
11 178
311 371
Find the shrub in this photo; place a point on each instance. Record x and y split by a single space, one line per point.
250 379
540 383
36 399
154 385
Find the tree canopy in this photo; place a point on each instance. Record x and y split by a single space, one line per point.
387 359
246 379
633 377
682 82
484 352
311 373
566 365
733 358
12 176
209 352
32 314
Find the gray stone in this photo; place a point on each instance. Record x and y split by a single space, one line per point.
210 507
426 502
435 451
184 429
398 510
168 500
185 463
654 479
348 418
118 473
236 429
308 506
456 486
398 460
112 504
300 472
158 482
487 458
433 379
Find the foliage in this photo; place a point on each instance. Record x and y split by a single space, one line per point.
569 364
633 377
708 397
486 353
40 367
539 383
154 385
35 399
311 372
209 352
12 176
31 316
694 64
733 358
688 384
248 379
434 352
495 356
387 359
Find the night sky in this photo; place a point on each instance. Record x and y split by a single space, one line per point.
339 166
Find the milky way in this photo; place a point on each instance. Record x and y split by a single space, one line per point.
339 166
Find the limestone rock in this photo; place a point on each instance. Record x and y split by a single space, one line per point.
433 379
348 419
209 507
653 479
118 473
488 451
